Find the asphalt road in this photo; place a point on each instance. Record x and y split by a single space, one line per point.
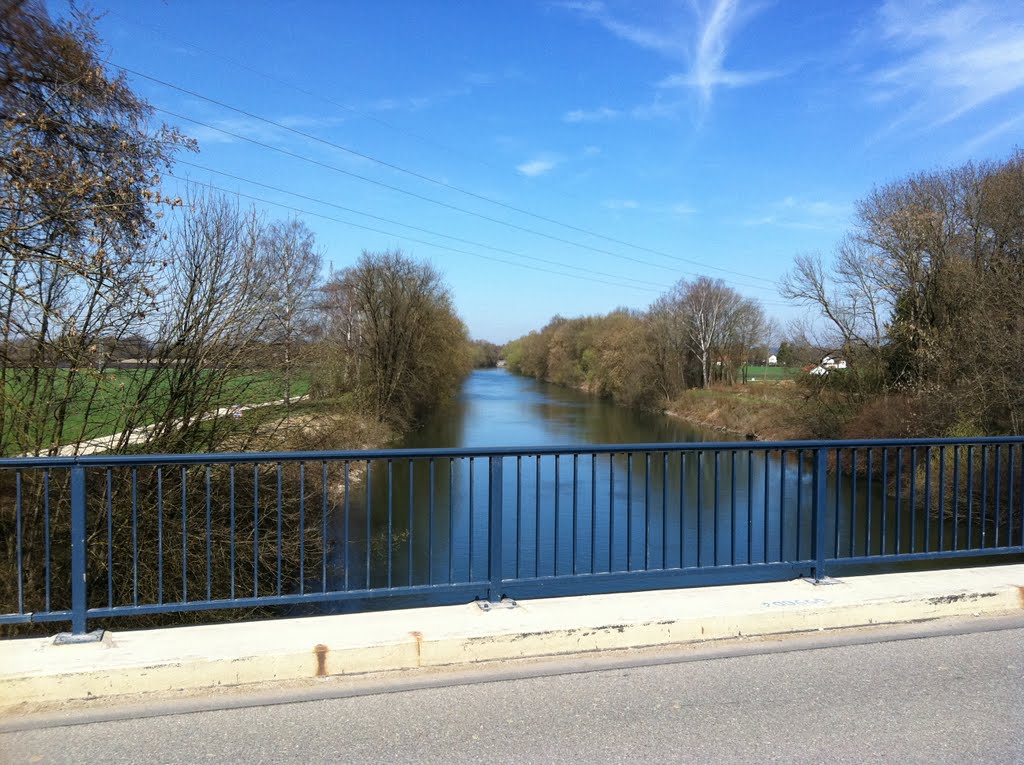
935 699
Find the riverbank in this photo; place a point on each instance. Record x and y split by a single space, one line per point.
764 412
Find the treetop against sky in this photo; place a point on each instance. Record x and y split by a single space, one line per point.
569 157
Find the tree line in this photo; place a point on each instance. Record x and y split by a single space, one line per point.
126 312
700 332
925 296
121 309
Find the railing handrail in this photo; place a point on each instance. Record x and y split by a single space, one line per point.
794 540
352 455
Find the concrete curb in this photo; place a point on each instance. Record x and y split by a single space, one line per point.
36 673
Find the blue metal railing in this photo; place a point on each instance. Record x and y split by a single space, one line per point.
105 537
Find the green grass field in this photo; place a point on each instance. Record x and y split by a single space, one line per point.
100 403
762 373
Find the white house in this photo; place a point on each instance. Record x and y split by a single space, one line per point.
773 360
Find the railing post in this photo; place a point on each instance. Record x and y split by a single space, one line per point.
494 527
818 517
78 556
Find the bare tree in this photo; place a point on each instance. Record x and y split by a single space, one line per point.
293 264
406 350
78 165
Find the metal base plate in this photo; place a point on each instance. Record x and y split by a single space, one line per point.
486 605
68 638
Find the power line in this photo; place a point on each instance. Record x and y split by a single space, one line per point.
470 242
400 236
421 197
429 179
311 94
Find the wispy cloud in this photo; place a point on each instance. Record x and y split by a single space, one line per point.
991 134
716 26
601 114
700 34
682 209
620 204
538 165
662 40
798 213
948 60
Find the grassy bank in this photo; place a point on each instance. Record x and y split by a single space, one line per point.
764 412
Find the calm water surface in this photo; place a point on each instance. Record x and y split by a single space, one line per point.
426 522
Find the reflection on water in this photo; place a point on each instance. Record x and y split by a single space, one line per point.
425 521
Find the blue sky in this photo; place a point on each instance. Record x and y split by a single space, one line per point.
672 138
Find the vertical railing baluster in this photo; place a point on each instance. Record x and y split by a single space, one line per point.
647 510
799 502
184 538
494 530
536 521
451 520
79 602
838 503
732 508
593 513
519 515
819 513
629 511
928 499
750 506
346 558
942 498
391 533
1009 498
369 522
913 499
472 513
664 509
46 535
280 526
575 508
983 521
853 503
18 541
412 523
899 500
885 500
998 497
956 498
782 506
970 497
302 528
700 509
558 492
869 503
255 530
765 525
110 538
231 510
159 535
346 554
682 509
715 507
430 522
611 511
209 541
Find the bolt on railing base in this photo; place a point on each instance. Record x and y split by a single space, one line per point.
824 580
486 605
70 638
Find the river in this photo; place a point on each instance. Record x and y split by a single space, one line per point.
595 513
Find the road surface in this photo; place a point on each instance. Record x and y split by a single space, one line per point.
932 699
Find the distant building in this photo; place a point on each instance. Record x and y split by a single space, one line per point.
773 360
